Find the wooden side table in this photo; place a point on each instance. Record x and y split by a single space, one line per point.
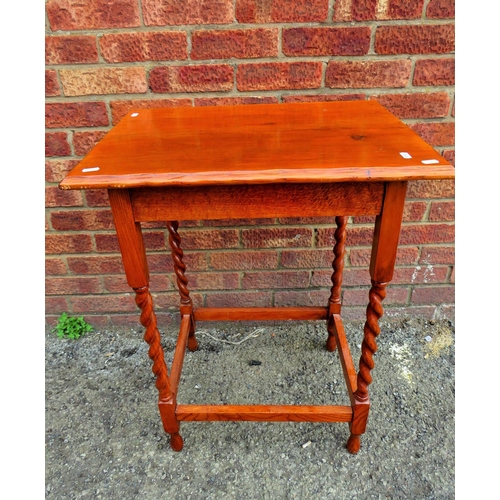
279 160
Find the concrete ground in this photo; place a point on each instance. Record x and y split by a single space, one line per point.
104 438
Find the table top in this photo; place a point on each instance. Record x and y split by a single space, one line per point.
251 144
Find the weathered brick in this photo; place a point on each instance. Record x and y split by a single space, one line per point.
83 142
56 144
433 294
232 101
449 155
72 286
92 14
279 75
356 297
161 262
54 267
237 222
100 265
97 197
415 39
275 279
214 281
76 114
431 189
369 10
307 259
118 284
239 299
241 43
434 72
120 108
281 11
276 237
442 211
51 83
109 80
323 97
55 197
109 242
199 78
356 236
427 233
436 134
55 305
441 9
144 46
70 49
180 12
416 105
437 255
209 239
241 261
104 303
361 256
301 298
367 74
81 220
326 41
56 170
68 243
420 274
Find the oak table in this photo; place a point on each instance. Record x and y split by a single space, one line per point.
259 161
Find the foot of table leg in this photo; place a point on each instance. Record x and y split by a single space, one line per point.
353 444
176 442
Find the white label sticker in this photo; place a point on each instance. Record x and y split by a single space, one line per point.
134 114
428 162
404 154
93 169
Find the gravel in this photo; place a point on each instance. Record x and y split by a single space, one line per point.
104 438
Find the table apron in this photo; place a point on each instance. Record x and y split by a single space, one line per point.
256 201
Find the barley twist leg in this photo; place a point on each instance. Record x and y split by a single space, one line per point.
186 307
338 267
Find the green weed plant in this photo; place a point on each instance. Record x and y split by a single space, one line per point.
72 327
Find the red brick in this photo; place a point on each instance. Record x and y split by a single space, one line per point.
195 261
275 279
433 295
92 14
276 237
54 267
307 259
239 299
232 101
436 134
103 303
56 144
356 236
97 197
414 212
301 298
431 189
180 12
55 305
323 97
415 39
441 9
369 10
99 265
449 155
56 170
55 197
83 142
241 261
281 11
68 243
70 49
118 284
120 108
428 233
82 220
361 257
210 239
416 105
237 222
109 242
279 75
326 41
241 44
103 80
199 78
439 72
442 211
420 274
395 295
51 83
72 286
76 114
144 46
437 255
351 277
291 221
213 281
367 74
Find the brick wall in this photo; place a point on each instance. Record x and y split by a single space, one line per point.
104 58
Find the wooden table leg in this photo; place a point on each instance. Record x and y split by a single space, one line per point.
383 258
136 269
